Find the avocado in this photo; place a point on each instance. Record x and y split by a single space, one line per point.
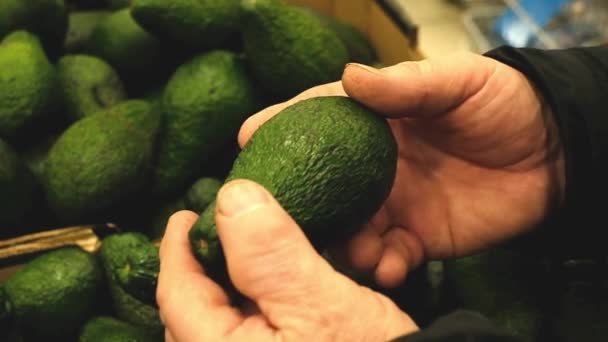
101 160
110 329
80 27
28 84
54 294
204 103
329 161
503 286
89 85
117 253
48 19
359 47
202 193
19 189
197 25
290 50
136 55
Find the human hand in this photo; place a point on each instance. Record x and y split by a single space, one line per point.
294 294
480 159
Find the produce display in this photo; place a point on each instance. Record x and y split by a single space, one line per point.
128 111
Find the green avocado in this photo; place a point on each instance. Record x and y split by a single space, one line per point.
329 161
89 85
48 19
28 84
138 56
204 103
290 50
197 25
102 160
110 329
54 294
131 266
80 27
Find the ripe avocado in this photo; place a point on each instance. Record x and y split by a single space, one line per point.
89 85
101 160
54 294
290 50
329 161
204 103
47 19
110 329
28 84
117 253
198 25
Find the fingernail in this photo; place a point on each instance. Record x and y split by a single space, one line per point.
366 68
240 196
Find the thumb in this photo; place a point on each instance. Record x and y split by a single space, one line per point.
419 89
267 254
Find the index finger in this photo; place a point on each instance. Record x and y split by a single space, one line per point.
258 119
193 306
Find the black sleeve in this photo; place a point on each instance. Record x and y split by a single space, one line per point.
574 83
465 326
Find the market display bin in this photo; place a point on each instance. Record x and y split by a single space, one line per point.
391 33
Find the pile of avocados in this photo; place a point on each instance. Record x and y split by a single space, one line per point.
127 111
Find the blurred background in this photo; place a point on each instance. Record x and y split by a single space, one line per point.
445 26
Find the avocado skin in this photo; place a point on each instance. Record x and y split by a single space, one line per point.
89 85
290 50
196 25
114 254
204 104
28 84
102 161
48 19
55 293
328 161
110 329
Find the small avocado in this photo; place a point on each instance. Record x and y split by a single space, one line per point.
119 252
54 294
197 25
329 161
48 19
80 27
101 160
110 329
18 186
28 84
89 85
204 103
290 50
